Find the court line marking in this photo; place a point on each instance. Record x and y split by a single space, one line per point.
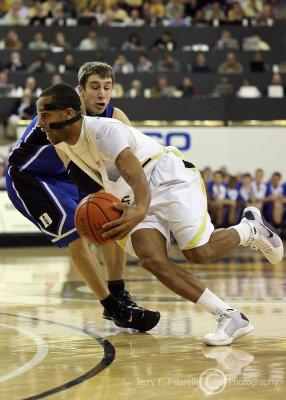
42 351
107 359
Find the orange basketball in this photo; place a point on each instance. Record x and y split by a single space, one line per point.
94 211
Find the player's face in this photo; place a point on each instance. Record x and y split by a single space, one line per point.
55 136
96 94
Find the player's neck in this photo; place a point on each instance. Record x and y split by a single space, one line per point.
74 133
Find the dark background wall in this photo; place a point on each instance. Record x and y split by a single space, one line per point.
202 108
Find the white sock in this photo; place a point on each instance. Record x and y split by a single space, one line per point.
244 231
210 302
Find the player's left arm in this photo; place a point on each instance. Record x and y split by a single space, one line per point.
132 172
121 116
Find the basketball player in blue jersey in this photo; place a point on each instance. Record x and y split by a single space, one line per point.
166 194
41 189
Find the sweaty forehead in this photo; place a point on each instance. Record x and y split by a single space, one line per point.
92 79
42 101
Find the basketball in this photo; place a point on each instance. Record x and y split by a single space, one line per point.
94 211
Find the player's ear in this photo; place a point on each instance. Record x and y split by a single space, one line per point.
70 112
80 90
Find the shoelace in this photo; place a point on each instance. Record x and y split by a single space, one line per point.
221 319
261 244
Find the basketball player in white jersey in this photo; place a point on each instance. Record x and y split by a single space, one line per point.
166 194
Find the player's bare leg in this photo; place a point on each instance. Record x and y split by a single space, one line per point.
88 267
150 247
114 259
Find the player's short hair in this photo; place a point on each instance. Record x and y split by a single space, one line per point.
63 96
102 69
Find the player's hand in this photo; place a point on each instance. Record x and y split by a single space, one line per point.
118 229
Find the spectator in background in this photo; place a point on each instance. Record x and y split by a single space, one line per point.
37 14
23 108
255 43
136 90
117 91
119 15
217 199
68 65
252 8
172 7
42 65
274 200
60 44
38 43
165 42
248 91
168 64
4 8
99 12
134 19
123 65
258 187
276 89
257 64
14 16
159 7
56 78
151 16
178 20
267 17
86 17
235 14
191 7
223 88
5 86
59 17
245 194
232 196
90 42
133 43
199 19
11 41
161 88
144 64
15 64
200 65
230 65
186 88
30 85
215 13
226 42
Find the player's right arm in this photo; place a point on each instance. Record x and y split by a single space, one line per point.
121 116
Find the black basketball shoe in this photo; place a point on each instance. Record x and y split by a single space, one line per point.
130 315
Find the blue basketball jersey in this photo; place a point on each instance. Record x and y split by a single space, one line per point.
34 153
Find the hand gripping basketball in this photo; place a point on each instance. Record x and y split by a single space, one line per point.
94 211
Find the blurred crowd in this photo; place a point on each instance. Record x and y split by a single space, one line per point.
140 12
229 194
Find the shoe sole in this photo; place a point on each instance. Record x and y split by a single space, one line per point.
271 228
146 328
238 334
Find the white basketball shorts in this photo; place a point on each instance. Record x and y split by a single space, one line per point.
178 205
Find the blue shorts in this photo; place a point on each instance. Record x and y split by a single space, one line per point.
48 202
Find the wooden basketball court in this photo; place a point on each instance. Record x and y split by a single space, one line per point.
55 344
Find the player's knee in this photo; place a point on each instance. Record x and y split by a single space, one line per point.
153 263
198 255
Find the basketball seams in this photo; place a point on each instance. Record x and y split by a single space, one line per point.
96 210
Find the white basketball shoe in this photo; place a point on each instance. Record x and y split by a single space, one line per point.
263 236
232 324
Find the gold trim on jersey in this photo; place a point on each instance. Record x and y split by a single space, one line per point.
97 174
